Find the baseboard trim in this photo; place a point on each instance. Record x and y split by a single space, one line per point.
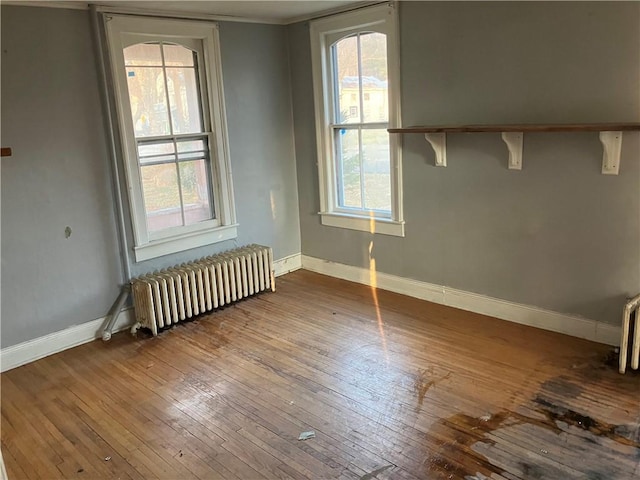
32 350
287 264
473 302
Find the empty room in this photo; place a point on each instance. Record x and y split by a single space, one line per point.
320 240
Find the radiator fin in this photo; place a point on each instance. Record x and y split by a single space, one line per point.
630 335
175 294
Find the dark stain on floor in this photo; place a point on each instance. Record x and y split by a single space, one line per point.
562 386
467 443
456 435
623 434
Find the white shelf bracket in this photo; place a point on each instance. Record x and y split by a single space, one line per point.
612 145
438 142
514 144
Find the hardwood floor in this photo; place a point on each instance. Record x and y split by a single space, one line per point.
420 391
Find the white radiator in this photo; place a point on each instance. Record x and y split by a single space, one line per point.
630 344
175 294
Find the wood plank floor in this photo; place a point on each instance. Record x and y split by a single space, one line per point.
411 390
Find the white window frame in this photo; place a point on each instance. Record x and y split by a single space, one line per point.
223 227
324 33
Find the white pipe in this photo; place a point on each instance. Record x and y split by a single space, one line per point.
105 78
114 313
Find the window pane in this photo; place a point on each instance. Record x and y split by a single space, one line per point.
192 149
143 54
183 98
348 168
148 101
373 60
195 191
177 56
156 152
347 84
161 196
153 149
376 169
191 146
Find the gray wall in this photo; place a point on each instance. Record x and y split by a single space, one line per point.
58 175
557 235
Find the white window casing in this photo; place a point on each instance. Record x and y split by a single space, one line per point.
325 33
201 37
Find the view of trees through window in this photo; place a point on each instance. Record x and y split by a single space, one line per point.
173 152
361 114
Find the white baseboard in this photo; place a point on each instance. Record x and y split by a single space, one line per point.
473 302
32 350
287 264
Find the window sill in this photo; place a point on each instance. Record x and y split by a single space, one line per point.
158 248
362 223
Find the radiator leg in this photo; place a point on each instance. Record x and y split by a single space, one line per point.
135 327
629 345
624 340
115 312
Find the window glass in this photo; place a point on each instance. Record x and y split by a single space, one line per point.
183 99
161 196
373 61
362 158
376 169
143 55
165 102
195 191
178 56
148 101
348 168
346 82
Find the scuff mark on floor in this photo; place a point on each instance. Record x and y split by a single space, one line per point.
422 384
375 473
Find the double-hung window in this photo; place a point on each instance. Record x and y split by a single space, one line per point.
168 85
356 93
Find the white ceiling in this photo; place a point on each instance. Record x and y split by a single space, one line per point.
270 11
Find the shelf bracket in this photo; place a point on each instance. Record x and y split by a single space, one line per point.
514 144
438 142
612 145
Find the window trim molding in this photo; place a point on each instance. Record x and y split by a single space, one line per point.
224 227
187 241
371 224
325 31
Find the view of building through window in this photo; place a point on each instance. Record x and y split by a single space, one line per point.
361 114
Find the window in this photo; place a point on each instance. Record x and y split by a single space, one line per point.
168 86
356 91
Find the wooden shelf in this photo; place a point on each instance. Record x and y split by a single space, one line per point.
578 127
512 135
